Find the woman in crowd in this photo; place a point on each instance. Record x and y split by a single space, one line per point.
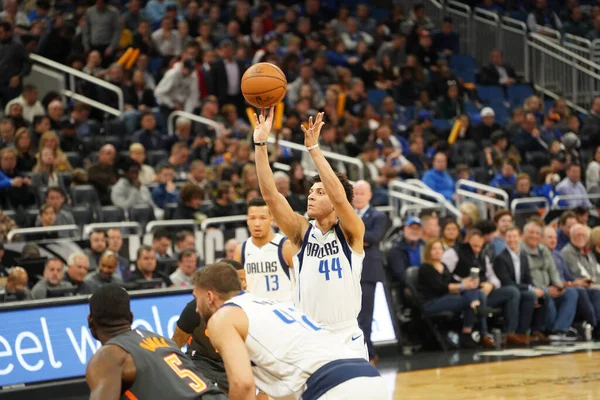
50 140
470 216
44 172
441 293
450 233
25 159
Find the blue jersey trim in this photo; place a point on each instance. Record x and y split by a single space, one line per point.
303 247
335 373
243 258
284 265
345 247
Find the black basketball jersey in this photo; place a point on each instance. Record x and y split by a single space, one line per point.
162 370
199 344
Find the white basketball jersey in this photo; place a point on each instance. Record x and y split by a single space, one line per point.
328 274
285 346
267 273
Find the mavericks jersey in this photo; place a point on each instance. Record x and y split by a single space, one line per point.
162 370
267 273
328 277
285 346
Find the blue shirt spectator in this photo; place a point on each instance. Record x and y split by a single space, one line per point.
155 10
571 185
446 40
438 178
165 192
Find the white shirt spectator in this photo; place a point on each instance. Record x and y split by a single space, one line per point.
29 111
170 46
175 88
233 76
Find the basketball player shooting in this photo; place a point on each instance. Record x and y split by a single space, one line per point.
328 249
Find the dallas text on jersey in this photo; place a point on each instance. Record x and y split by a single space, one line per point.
322 251
261 267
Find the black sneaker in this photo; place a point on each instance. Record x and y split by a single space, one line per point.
467 342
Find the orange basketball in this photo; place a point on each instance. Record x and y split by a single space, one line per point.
264 85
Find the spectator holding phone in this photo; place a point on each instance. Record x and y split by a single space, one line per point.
561 300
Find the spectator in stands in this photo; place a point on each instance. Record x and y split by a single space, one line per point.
61 162
179 160
577 25
561 301
103 174
106 272
138 99
523 191
148 136
178 89
161 243
55 197
184 240
406 251
190 197
506 177
450 233
565 222
438 178
97 246
187 262
417 17
53 275
589 299
590 131
430 226
497 72
225 77
446 40
528 139
425 52
282 183
512 269
592 172
128 191
441 293
13 14
183 133
44 173
541 17
197 174
470 216
580 262
165 192
155 9
305 78
7 132
224 201
16 286
134 15
450 106
14 63
146 268
102 30
30 103
167 40
487 127
593 34
571 185
77 269
114 240
230 247
14 186
503 220
137 152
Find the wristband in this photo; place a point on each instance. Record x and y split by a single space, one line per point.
462 288
260 143
312 147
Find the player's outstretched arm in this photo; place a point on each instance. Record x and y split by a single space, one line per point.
227 330
104 373
351 224
291 224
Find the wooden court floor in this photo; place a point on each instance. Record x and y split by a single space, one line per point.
573 376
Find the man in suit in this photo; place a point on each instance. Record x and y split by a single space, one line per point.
226 77
497 72
375 226
512 269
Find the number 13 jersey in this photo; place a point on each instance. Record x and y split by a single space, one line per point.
328 274
267 273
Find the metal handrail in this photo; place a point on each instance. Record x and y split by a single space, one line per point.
564 197
516 202
221 220
555 96
480 186
42 229
482 198
432 193
576 41
82 75
560 49
458 6
327 154
412 199
192 117
102 226
484 15
418 187
172 222
507 21
551 34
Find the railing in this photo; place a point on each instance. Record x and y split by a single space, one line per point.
535 200
487 205
413 191
513 44
566 197
488 38
44 229
461 19
192 117
328 154
69 89
447 205
578 45
169 223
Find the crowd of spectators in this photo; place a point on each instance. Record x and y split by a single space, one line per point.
386 84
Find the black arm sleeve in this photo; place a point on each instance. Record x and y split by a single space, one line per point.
189 318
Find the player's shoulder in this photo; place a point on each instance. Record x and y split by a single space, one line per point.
110 354
229 315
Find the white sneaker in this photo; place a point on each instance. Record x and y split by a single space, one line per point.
562 337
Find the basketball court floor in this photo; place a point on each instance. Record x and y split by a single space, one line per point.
544 372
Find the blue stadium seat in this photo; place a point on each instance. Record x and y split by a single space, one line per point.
380 13
467 75
518 93
471 108
502 113
376 96
154 65
442 124
463 62
490 93
520 15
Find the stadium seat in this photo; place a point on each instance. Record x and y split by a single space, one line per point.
471 108
154 65
112 214
480 174
114 127
489 93
442 124
75 159
464 152
29 217
170 210
531 171
85 196
154 157
375 97
518 93
463 62
205 206
115 140
502 113
467 75
40 195
141 214
537 159
65 178
83 215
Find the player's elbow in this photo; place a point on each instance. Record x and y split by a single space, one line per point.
242 388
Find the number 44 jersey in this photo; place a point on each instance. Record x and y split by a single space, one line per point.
267 273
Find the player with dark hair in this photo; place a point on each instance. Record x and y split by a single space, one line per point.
191 330
266 256
137 364
328 250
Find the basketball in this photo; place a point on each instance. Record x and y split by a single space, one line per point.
264 85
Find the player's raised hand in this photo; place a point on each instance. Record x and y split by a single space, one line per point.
311 134
263 125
